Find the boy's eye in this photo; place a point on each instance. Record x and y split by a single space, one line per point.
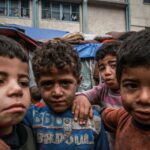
113 66
46 84
2 79
65 83
24 83
101 67
130 86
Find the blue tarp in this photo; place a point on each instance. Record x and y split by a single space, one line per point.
40 33
87 50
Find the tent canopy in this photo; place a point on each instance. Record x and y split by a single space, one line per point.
40 33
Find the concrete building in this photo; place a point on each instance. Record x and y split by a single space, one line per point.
88 16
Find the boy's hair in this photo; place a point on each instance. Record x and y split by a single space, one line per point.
110 48
126 35
35 93
134 52
55 53
11 49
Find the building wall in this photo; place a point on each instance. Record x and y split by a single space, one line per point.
11 20
105 19
101 19
140 15
59 25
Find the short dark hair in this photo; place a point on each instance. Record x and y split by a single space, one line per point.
110 48
35 93
126 35
55 53
11 49
134 52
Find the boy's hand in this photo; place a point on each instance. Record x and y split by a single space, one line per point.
4 146
82 109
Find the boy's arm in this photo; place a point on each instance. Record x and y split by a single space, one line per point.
82 104
111 118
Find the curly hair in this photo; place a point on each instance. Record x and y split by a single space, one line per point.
135 51
11 49
55 53
110 48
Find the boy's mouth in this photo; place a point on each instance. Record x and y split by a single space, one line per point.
15 108
142 114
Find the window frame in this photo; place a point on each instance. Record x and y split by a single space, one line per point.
146 2
18 12
61 12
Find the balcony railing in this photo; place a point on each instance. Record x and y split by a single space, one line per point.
121 3
113 1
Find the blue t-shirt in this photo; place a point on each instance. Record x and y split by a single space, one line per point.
59 131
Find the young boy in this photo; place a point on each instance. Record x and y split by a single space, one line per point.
57 71
14 97
131 124
106 94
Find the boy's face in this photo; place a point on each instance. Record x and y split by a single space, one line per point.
135 92
58 88
14 92
107 70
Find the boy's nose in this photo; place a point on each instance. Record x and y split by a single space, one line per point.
145 96
15 90
57 90
107 70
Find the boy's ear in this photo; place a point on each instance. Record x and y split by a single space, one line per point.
79 80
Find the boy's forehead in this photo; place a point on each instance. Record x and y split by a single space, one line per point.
14 64
108 58
54 71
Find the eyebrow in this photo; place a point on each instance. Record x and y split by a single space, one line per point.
2 73
129 80
112 61
24 76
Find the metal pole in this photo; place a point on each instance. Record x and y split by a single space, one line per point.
85 16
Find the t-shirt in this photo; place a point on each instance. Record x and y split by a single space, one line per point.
101 95
129 134
59 130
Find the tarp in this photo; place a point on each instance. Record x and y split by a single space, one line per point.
27 42
41 33
87 50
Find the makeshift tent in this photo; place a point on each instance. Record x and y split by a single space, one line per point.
87 54
40 34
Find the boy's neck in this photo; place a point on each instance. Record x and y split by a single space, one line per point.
5 131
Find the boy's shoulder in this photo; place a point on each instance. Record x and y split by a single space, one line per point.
21 137
115 115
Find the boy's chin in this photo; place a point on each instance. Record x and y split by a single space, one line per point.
142 123
60 109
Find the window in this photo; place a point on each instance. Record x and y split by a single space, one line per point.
60 11
146 1
3 8
14 8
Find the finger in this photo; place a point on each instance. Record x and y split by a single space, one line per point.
86 114
73 107
82 115
91 113
76 112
